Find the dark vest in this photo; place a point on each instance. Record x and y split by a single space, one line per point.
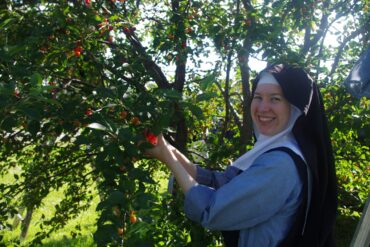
294 236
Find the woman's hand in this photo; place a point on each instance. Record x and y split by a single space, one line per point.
162 151
183 170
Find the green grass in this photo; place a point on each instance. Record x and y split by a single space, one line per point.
345 229
345 226
86 221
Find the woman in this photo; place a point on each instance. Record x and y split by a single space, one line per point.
283 191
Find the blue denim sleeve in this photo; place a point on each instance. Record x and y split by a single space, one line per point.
248 199
216 179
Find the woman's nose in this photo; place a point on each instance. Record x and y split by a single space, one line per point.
264 106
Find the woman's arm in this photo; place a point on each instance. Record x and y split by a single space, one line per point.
183 170
185 162
269 187
214 179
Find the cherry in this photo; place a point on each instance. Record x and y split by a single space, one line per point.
135 121
43 49
123 115
89 112
120 231
17 93
126 30
133 217
150 137
77 50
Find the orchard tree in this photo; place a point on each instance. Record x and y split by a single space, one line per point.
85 87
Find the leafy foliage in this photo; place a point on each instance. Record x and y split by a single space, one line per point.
82 81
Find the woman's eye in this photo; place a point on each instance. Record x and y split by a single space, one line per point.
257 97
275 99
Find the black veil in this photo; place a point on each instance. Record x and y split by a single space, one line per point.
311 133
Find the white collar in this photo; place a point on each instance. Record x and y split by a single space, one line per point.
264 143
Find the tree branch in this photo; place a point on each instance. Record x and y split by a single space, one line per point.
344 43
153 69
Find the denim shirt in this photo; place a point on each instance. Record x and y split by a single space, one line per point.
261 201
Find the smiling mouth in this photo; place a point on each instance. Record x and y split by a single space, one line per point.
265 119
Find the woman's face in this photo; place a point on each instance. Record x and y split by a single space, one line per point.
270 110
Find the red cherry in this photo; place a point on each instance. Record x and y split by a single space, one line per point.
150 137
126 30
17 93
87 1
135 121
89 112
123 115
133 218
43 49
77 50
183 45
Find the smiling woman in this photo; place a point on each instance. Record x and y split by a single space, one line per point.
283 191
269 108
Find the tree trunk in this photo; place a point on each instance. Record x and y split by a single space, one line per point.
26 223
18 218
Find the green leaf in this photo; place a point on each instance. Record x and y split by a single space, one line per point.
124 135
12 50
141 175
105 92
116 198
33 112
196 110
33 127
104 234
6 22
36 79
207 81
97 126
170 94
206 96
144 200
8 123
